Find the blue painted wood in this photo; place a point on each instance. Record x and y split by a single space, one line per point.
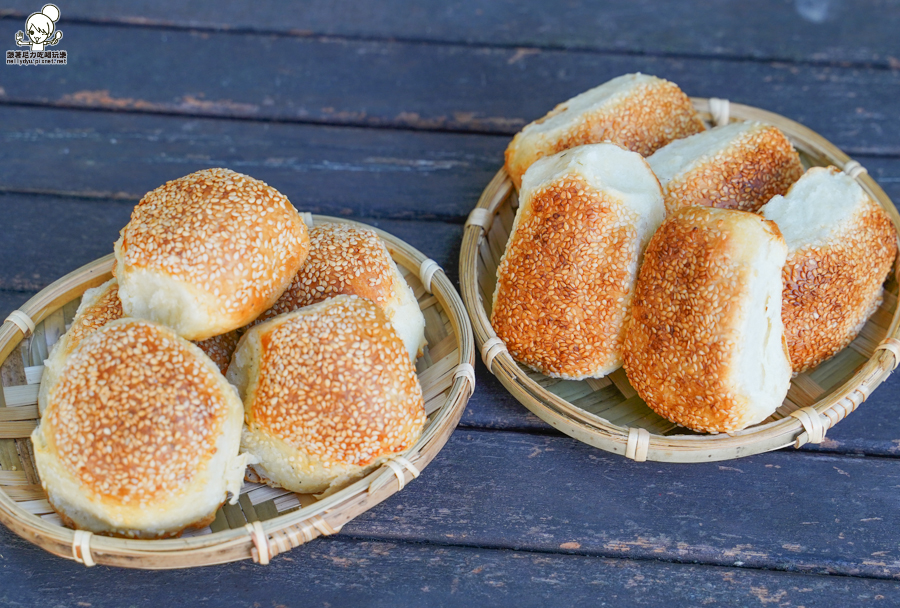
346 572
781 510
803 30
432 87
335 171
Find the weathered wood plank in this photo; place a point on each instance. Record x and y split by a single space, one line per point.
338 171
863 31
393 84
345 572
784 511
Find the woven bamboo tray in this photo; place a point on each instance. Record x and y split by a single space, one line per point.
266 521
608 413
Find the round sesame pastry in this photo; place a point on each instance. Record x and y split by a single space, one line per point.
98 307
347 260
737 166
841 246
639 112
566 279
705 345
208 253
141 434
329 393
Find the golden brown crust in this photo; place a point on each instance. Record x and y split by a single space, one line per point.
830 290
342 260
337 384
563 279
650 117
104 309
202 523
220 348
759 165
680 345
229 236
135 414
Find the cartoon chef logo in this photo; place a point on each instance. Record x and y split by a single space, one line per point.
40 34
40 27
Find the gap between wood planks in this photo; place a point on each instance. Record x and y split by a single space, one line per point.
414 40
575 551
386 125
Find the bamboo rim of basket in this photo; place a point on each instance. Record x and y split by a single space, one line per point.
594 430
238 544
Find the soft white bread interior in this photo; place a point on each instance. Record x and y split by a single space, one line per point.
639 112
841 247
737 166
566 279
209 252
705 346
141 434
98 307
329 393
351 260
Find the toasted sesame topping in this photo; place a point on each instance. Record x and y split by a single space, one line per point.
224 233
831 288
565 282
107 308
135 413
335 382
342 260
682 341
651 114
104 309
756 165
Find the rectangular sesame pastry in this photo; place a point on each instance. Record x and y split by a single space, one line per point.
841 245
705 347
639 112
737 166
566 280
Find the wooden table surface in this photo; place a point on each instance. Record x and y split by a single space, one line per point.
397 113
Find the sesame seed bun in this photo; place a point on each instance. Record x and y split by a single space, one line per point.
705 344
639 112
348 260
737 166
566 279
141 434
98 307
841 246
208 253
329 393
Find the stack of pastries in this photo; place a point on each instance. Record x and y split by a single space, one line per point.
217 276
704 261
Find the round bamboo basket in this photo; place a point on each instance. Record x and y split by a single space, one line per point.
607 413
266 521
